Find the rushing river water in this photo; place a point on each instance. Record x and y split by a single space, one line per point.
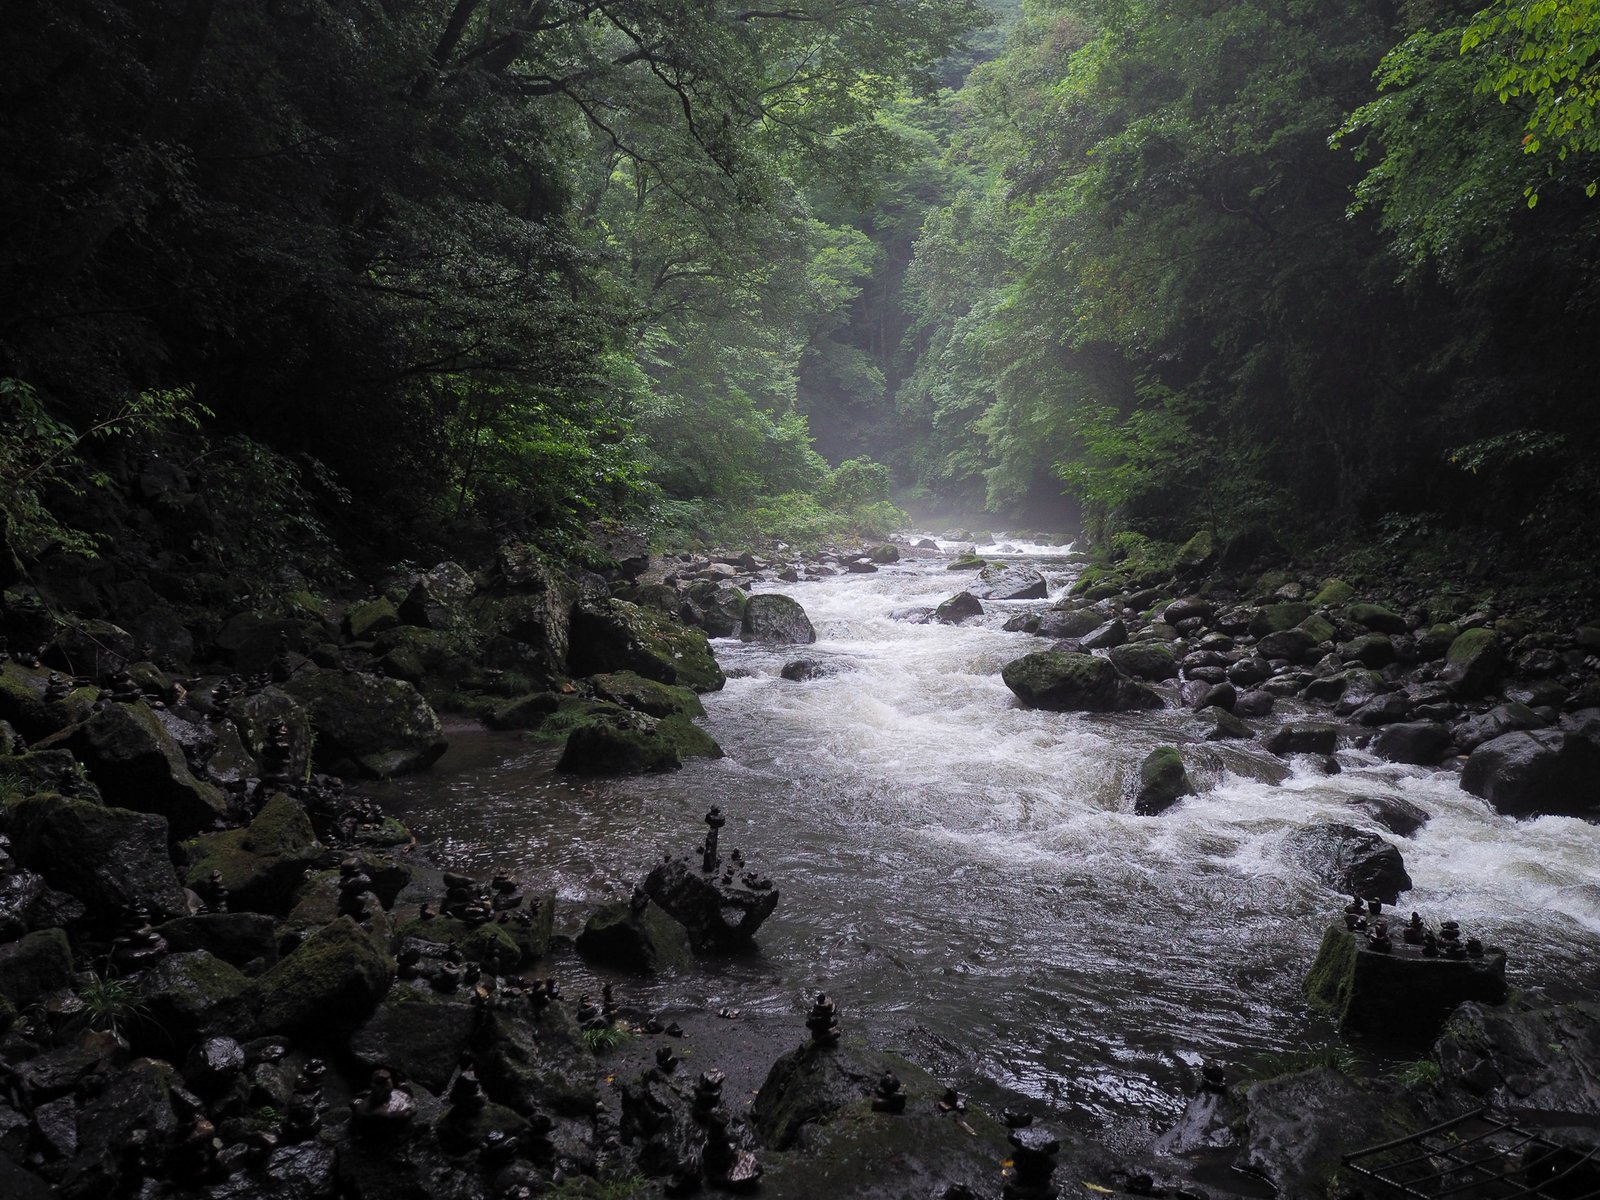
967 876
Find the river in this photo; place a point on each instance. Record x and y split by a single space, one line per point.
967 876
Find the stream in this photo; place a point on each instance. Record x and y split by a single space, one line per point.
967 877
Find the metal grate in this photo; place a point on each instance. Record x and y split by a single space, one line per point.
1478 1156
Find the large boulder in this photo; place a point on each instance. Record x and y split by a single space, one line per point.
634 937
1497 722
771 617
1068 623
717 607
113 859
439 598
366 619
1276 618
1163 781
960 607
1145 660
1010 583
1303 737
1350 860
719 913
34 707
1542 771
257 719
611 740
261 864
613 635
332 981
1376 618
367 725
1422 743
96 649
33 966
419 1034
1066 682
1299 1127
131 755
183 996
1472 664
647 695
1526 1055
1399 993
1296 645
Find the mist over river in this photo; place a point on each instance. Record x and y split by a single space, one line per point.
967 876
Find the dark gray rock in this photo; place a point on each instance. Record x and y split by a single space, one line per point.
643 940
958 608
1074 623
1303 737
1188 608
1547 770
439 598
1163 781
1010 583
1065 682
418 1033
130 754
1528 1055
803 669
1295 645
774 618
1152 661
368 725
719 913
1395 813
1112 633
1400 993
112 859
1299 1127
1422 743
1497 722
1351 861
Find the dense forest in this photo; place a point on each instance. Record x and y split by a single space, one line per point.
397 273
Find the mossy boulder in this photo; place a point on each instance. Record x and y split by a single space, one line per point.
1318 628
612 635
92 648
256 718
331 982
1145 660
1473 661
716 607
417 1033
113 859
776 619
538 1062
23 702
644 940
958 608
1196 555
130 754
1067 682
438 599
183 996
1376 618
366 619
967 562
261 864
524 712
367 725
610 740
1401 993
1163 781
247 940
1373 650
1294 645
634 691
494 944
1333 593
1275 618
413 654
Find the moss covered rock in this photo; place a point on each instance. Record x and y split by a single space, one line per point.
1163 781
1145 660
1472 663
365 619
418 1033
1377 618
131 755
1333 593
494 944
33 965
644 940
331 982
1275 618
1400 994
606 739
368 725
776 619
612 635
261 864
184 995
23 702
634 691
1066 682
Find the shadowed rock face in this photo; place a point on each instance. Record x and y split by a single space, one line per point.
778 619
1351 861
1547 770
720 909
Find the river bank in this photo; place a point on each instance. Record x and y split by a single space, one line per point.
989 869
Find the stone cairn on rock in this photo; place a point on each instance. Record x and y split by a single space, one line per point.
137 945
823 1022
890 1096
1033 1158
726 1164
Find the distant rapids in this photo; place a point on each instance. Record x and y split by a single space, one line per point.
968 877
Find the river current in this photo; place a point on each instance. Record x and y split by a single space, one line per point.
967 876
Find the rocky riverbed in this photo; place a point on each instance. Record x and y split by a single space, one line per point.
225 972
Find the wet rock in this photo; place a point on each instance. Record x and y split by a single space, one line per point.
524 712
1373 650
1395 813
183 996
1075 623
1333 593
1423 743
536 1061
1528 1055
1389 709
1294 645
95 649
1226 726
130 754
774 618
1350 860
802 669
627 548
720 913
958 608
136 1108
1066 682
813 1083
418 1033
1188 608
1299 1127
639 938
1163 781
1248 672
261 719
967 562
1010 583
1547 770
34 965
1254 703
1302 737
1497 722
1196 555
252 642
1472 664
20 891
367 725
612 635
886 553
647 695
332 981
1145 660
261 864
1208 1123
112 859
494 944
1113 633
1222 695
1401 993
